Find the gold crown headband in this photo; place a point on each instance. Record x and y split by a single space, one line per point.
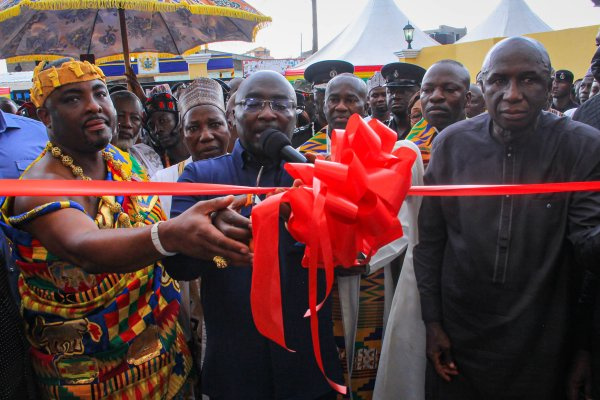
46 81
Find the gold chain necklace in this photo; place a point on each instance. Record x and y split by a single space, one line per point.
123 218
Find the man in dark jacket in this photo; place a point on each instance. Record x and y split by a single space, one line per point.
240 363
496 273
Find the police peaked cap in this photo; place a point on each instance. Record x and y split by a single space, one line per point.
563 75
399 74
323 71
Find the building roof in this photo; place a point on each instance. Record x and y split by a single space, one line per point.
372 38
510 18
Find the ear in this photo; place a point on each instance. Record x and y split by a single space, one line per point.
468 97
44 117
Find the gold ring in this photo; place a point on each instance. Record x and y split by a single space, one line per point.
220 262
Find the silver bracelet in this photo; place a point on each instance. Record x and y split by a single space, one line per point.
156 240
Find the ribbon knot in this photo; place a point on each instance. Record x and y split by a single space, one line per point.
346 209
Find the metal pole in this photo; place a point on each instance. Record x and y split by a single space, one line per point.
315 44
124 40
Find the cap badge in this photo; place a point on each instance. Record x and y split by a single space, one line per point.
396 74
333 73
562 76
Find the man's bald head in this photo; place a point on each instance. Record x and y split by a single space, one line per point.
456 69
519 45
347 79
346 94
445 93
516 84
270 78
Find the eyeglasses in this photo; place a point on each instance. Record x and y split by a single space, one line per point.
257 105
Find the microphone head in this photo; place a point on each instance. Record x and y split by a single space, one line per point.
272 141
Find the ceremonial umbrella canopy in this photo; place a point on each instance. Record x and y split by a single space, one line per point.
50 29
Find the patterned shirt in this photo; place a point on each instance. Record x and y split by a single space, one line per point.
422 134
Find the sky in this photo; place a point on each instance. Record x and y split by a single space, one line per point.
293 18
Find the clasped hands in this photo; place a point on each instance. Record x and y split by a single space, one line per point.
216 228
213 228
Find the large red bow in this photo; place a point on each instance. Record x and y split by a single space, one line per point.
345 211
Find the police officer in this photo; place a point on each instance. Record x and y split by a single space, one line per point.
561 91
403 80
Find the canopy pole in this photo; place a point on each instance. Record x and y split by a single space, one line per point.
315 38
125 42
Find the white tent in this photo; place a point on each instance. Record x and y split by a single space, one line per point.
510 18
372 38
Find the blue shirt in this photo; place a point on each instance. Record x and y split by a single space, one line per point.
21 141
239 362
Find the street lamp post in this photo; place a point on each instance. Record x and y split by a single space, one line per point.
409 30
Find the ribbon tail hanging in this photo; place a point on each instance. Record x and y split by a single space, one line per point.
265 293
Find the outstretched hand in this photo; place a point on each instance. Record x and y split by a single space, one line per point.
193 234
231 223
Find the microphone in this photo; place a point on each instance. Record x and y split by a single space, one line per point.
277 146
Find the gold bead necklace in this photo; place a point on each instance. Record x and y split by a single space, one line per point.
77 171
123 218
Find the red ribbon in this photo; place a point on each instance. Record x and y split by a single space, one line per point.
354 199
61 188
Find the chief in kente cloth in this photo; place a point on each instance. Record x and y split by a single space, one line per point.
100 323
403 80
